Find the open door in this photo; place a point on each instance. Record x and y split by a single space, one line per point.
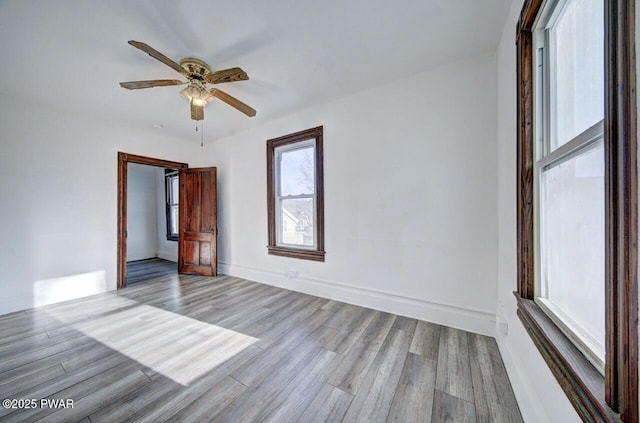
197 249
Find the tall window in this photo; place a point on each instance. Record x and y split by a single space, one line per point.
577 199
171 185
569 171
295 195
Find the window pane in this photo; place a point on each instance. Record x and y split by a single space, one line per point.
296 222
572 240
175 184
578 44
174 219
297 171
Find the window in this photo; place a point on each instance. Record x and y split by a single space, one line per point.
295 195
569 171
172 186
577 199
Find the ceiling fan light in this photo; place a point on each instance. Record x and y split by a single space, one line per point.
198 95
190 92
206 97
194 91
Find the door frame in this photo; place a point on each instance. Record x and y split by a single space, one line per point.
123 161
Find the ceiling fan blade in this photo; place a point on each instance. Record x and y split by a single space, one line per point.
197 112
226 75
233 102
158 56
136 85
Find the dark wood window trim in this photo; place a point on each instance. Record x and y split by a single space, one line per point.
318 253
580 380
123 160
168 174
594 397
621 212
525 153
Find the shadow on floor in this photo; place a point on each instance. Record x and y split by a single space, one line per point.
142 270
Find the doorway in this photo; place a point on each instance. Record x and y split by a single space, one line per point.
124 159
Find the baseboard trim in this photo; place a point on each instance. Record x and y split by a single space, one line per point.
168 256
140 255
448 315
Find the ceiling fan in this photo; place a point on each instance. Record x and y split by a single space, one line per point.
198 75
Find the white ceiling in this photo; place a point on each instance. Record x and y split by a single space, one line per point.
71 54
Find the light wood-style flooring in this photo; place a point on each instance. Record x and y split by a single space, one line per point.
223 349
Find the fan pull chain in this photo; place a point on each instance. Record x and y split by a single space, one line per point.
202 133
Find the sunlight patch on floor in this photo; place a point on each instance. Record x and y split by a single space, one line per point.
176 346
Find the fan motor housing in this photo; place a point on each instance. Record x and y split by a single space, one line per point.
195 68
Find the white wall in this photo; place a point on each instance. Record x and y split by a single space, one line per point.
58 184
146 215
410 198
142 212
539 395
167 250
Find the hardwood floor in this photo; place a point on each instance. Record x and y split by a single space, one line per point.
143 270
223 349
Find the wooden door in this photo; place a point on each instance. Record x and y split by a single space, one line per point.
197 250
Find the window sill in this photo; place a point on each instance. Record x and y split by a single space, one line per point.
581 382
298 253
172 238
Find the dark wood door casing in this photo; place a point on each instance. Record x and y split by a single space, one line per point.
198 222
123 161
